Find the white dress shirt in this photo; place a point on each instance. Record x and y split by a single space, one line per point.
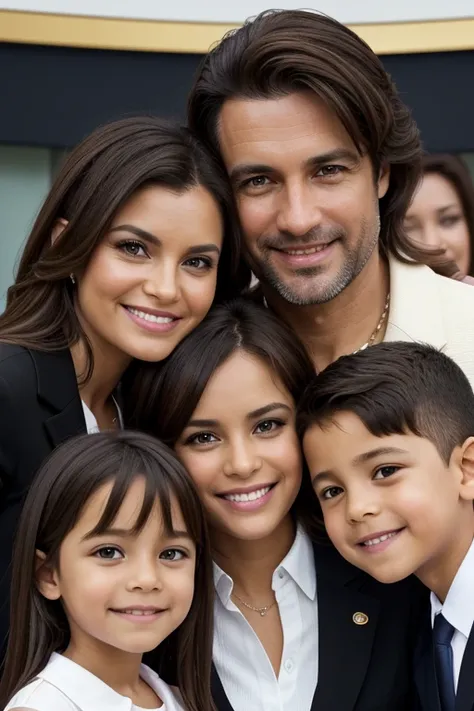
91 422
458 609
64 685
243 666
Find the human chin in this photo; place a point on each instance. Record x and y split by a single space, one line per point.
138 637
255 528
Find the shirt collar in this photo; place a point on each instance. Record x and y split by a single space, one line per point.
415 310
83 688
298 563
223 584
458 608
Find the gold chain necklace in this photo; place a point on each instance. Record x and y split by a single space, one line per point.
261 610
377 328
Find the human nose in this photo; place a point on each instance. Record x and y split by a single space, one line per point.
144 574
298 213
432 237
162 282
361 504
242 459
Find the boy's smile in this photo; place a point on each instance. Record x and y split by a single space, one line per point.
392 506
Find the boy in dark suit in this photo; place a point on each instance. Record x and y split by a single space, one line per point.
388 434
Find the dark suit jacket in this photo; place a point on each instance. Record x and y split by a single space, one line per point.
39 408
425 678
361 667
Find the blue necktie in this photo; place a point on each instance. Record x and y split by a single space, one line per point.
443 653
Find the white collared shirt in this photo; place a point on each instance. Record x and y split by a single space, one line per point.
92 426
64 685
242 664
458 609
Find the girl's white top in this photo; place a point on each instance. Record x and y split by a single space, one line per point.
63 685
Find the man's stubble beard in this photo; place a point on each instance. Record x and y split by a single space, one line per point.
354 263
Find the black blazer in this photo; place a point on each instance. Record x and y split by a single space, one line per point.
425 678
39 408
361 667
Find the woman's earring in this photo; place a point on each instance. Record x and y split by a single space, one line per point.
72 278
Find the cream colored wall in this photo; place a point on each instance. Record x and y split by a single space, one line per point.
346 11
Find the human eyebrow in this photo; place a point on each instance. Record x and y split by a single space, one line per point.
360 459
320 476
198 249
178 534
138 232
338 154
259 412
247 170
131 533
378 452
117 532
448 207
202 423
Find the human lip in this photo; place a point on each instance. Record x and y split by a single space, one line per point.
305 255
376 542
139 613
152 319
248 499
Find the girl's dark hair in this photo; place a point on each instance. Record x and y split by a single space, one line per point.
161 398
457 173
284 51
97 178
73 473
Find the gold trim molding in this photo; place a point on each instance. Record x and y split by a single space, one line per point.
194 37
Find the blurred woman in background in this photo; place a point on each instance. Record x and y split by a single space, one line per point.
441 215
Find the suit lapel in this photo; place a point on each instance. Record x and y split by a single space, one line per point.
425 675
416 313
465 693
57 388
344 646
219 697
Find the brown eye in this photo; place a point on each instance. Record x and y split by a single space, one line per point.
173 554
108 553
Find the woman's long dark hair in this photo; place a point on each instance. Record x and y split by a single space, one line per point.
97 178
73 473
161 398
456 172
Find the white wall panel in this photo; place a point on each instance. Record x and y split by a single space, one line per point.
231 11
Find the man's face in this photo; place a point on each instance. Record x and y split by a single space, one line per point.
308 202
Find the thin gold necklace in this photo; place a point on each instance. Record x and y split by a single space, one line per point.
262 611
375 332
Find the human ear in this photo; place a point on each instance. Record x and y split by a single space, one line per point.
383 180
467 470
46 578
59 227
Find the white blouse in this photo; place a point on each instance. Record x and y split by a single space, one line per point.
91 423
64 685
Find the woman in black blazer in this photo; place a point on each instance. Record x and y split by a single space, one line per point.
134 243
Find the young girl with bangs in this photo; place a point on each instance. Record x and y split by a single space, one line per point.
112 560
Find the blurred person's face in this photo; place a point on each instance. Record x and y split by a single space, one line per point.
308 202
436 219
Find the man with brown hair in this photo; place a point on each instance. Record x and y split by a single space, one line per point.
324 158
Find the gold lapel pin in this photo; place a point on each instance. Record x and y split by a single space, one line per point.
360 618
